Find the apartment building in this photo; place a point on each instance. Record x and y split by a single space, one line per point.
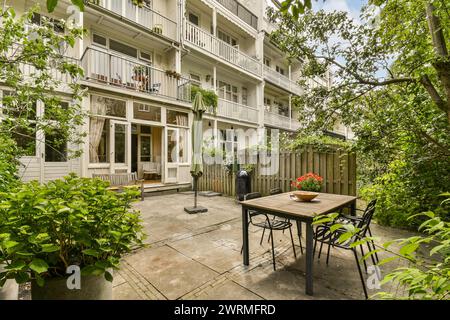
140 65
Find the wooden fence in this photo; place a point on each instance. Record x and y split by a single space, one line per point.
337 168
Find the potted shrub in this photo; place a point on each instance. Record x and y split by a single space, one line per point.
308 182
65 224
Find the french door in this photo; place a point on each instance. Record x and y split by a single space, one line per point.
172 155
120 146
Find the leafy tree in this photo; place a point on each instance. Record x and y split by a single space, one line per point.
33 66
391 86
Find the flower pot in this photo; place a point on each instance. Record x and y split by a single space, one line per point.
92 288
10 290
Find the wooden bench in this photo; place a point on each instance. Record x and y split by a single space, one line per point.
119 180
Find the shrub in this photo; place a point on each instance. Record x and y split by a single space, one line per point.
72 221
8 164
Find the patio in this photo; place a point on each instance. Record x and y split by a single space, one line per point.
198 257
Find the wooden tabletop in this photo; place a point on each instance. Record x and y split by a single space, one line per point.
322 204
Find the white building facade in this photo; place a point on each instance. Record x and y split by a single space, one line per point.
140 64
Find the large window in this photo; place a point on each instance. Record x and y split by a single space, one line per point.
104 106
147 112
120 143
55 147
227 38
228 92
25 138
177 118
99 140
177 145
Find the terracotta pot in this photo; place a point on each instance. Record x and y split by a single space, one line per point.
92 288
305 195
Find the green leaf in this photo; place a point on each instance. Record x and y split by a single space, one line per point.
91 252
38 266
79 4
108 276
21 277
16 265
49 247
8 244
409 249
51 5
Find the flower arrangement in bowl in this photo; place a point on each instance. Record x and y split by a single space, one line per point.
308 182
307 186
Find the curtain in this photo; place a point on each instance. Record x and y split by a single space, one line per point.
182 120
98 107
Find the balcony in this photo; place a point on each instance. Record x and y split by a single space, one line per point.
280 121
143 16
236 111
242 12
207 42
123 72
281 81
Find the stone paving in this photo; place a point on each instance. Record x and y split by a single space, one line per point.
198 257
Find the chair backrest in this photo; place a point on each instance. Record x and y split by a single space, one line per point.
275 191
253 195
367 217
117 179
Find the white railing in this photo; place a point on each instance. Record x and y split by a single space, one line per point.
280 121
206 41
120 71
143 16
281 80
236 111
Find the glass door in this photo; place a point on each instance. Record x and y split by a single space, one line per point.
172 154
120 143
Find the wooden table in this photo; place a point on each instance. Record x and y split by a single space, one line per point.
282 205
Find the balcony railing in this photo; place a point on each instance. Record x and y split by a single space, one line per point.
123 72
236 111
242 12
143 16
281 80
280 121
206 41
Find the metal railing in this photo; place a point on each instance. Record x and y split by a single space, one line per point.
143 16
121 71
236 111
281 80
242 12
208 42
280 121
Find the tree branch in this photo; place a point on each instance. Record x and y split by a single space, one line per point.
435 96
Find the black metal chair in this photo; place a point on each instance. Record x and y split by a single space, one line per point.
267 223
324 234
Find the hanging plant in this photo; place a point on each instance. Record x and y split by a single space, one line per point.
210 98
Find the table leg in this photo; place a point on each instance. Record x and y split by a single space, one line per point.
309 259
245 251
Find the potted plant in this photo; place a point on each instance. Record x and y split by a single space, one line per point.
308 182
174 74
210 98
63 226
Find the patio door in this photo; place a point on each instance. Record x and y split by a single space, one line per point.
120 142
172 154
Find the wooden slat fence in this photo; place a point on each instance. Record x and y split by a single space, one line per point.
336 167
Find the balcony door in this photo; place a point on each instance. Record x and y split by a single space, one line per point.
120 142
172 155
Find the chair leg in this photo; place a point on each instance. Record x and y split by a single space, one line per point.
321 245
372 256
373 245
262 236
273 251
328 252
314 249
364 260
293 245
360 274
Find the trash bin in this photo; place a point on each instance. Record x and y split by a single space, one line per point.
242 184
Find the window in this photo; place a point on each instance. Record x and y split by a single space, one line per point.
38 20
183 143
104 106
52 114
227 38
177 118
267 101
280 70
194 19
55 147
145 56
26 140
99 140
122 48
146 112
228 92
244 96
99 40
195 80
266 61
146 148
120 143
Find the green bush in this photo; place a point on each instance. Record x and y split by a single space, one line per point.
8 164
72 221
